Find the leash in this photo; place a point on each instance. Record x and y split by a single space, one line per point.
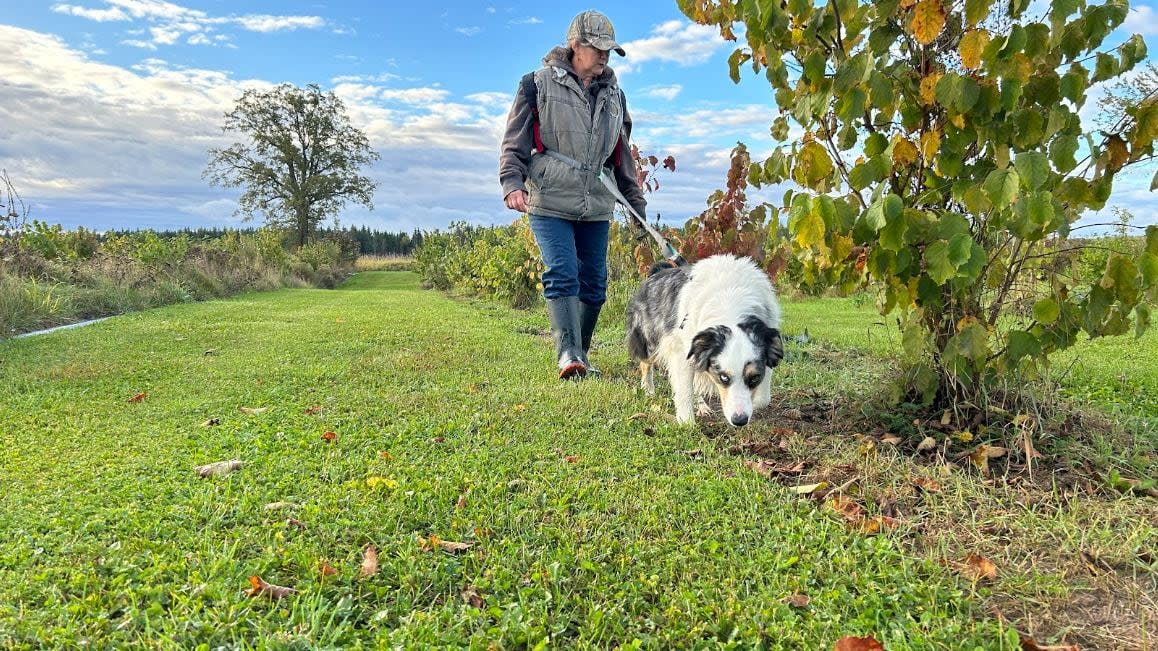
673 257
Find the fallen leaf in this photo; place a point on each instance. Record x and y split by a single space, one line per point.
211 351
808 488
310 411
693 454
253 411
928 443
850 643
294 522
797 600
891 439
329 437
339 320
637 416
571 458
794 414
1029 644
461 503
276 506
326 569
1095 565
927 485
877 524
976 567
847 507
262 589
946 418
139 397
762 467
219 468
369 561
520 407
438 439
432 542
981 456
472 598
383 454
963 435
212 422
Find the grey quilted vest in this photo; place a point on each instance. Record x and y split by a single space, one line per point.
567 125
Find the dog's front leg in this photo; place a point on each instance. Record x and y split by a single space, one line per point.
648 379
763 396
683 392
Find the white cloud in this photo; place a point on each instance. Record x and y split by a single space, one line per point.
1141 20
676 41
420 96
468 31
99 15
530 20
170 22
662 92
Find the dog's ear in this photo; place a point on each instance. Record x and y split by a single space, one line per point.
774 350
767 337
707 344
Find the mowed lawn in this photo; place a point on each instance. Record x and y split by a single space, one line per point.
594 520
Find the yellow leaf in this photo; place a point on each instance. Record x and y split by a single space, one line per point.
957 120
928 21
972 44
385 482
1116 154
808 488
904 152
930 144
929 88
1020 68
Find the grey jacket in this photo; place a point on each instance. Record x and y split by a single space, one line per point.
583 125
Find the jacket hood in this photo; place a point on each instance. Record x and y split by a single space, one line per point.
560 57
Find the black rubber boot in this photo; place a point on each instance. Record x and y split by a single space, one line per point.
588 317
564 314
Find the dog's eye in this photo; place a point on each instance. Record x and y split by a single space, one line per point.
753 381
725 379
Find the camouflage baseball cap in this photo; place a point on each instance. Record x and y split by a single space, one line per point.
595 29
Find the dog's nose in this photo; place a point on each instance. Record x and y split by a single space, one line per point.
739 420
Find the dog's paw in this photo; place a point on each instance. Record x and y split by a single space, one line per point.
703 409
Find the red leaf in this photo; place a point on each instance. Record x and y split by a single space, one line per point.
669 163
139 397
850 643
310 411
326 569
329 437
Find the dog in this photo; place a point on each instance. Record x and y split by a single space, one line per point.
714 326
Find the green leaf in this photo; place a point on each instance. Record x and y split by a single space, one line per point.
1154 182
1105 68
880 91
780 128
1152 239
1062 151
875 144
1001 187
1148 267
737 59
1122 277
1022 344
892 236
976 11
814 65
940 267
1033 167
960 249
1142 319
1034 213
1046 311
1074 83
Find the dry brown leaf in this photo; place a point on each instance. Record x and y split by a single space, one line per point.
928 443
139 397
981 456
326 569
212 422
571 458
891 439
253 411
976 567
850 643
461 503
294 522
1029 644
262 589
926 484
438 439
797 600
369 561
847 507
275 506
472 598
877 524
315 409
794 414
329 437
637 416
219 468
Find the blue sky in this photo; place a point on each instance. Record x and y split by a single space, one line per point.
109 106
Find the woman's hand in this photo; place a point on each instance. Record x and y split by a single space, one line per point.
517 200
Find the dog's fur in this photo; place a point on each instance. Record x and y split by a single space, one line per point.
714 326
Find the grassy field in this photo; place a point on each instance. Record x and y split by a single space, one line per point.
594 520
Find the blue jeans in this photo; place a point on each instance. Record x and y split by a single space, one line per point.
575 254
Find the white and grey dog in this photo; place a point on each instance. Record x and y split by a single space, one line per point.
714 326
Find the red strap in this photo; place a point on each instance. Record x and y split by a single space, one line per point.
535 129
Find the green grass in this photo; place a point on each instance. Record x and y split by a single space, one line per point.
111 539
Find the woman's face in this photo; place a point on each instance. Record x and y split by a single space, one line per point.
589 62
